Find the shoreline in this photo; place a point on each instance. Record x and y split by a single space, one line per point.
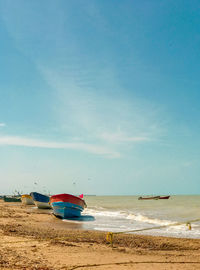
36 240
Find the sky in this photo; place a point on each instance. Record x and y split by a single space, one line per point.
100 97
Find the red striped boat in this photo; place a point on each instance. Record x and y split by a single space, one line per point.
67 205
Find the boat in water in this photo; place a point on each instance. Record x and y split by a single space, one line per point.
11 199
27 199
67 205
164 197
154 197
40 200
149 198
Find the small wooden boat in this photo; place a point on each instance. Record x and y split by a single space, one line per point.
11 199
27 199
149 198
164 197
67 205
40 200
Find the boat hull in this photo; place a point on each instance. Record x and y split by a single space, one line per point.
67 206
66 210
40 200
27 199
42 205
149 198
11 199
164 197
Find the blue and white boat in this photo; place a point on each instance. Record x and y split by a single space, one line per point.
40 200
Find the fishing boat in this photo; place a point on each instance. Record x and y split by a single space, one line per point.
67 205
164 197
149 198
27 199
40 200
11 199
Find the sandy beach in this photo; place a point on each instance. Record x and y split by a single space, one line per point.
32 239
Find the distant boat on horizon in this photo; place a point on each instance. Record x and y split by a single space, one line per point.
164 197
154 197
149 198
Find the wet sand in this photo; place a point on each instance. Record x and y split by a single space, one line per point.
32 239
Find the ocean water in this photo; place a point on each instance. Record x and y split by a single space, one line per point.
125 213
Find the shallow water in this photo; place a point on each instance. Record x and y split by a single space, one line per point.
125 213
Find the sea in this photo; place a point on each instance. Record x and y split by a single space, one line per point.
150 217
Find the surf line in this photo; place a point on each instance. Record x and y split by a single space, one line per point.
110 235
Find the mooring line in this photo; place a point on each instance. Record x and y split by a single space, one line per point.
110 235
128 263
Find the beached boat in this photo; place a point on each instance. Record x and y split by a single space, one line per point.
67 205
149 198
27 199
164 197
11 199
40 200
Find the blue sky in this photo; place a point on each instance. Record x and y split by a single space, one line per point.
100 97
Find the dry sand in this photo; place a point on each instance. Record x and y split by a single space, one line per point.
33 240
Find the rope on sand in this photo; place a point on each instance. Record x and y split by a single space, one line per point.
110 235
131 262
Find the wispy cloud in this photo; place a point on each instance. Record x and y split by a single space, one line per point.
100 116
119 137
187 164
89 99
26 142
2 124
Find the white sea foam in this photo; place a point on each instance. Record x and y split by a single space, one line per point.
127 214
146 219
105 213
